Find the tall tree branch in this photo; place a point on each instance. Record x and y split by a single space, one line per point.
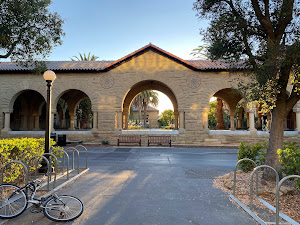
286 16
11 49
265 21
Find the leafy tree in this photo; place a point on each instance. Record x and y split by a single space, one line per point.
143 100
200 52
167 117
83 57
28 29
265 34
212 114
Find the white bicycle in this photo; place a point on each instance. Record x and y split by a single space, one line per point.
14 201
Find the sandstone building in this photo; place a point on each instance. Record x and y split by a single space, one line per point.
112 85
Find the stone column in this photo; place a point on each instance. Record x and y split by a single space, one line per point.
119 120
95 121
297 110
126 121
259 118
36 122
240 118
232 115
181 122
251 112
24 121
205 120
6 122
176 115
220 121
31 121
72 117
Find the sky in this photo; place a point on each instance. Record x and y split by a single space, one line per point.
113 29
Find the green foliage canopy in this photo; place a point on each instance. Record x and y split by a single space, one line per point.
28 29
167 117
264 34
264 38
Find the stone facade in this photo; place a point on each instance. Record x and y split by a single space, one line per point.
111 91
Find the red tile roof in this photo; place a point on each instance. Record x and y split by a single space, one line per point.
104 66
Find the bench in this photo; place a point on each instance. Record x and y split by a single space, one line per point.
129 139
159 140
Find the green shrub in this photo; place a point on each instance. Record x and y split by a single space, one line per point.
134 127
23 150
289 158
256 152
104 142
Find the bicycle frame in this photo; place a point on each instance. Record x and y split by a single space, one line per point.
53 206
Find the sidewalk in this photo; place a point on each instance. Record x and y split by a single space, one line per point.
159 187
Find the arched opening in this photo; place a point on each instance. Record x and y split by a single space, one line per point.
151 115
223 110
73 111
27 113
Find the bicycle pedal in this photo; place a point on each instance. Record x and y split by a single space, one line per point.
35 210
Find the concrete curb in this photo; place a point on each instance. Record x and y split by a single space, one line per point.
54 190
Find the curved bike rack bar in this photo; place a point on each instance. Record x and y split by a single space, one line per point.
251 181
52 155
277 194
38 158
18 162
67 156
235 169
85 149
73 158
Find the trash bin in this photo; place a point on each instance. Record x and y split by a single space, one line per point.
53 136
61 140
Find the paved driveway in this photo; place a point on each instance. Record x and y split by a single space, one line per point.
152 186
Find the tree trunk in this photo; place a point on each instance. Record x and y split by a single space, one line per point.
140 109
275 141
220 121
145 113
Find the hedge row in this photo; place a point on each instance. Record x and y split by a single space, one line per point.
20 149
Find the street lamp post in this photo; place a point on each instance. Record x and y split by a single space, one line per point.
49 76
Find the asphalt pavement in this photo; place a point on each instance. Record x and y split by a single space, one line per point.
152 186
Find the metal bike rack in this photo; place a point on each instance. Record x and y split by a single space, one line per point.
235 169
63 162
17 162
52 155
38 158
85 149
73 158
251 181
277 194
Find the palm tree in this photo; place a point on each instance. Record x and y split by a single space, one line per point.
83 57
143 100
138 102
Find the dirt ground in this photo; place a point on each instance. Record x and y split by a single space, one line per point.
289 202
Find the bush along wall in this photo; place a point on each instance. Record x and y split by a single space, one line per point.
22 150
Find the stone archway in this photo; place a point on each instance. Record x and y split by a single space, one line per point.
231 97
143 86
26 114
66 105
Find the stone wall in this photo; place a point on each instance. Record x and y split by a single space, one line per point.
189 90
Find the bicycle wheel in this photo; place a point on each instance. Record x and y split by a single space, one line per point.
13 202
63 208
